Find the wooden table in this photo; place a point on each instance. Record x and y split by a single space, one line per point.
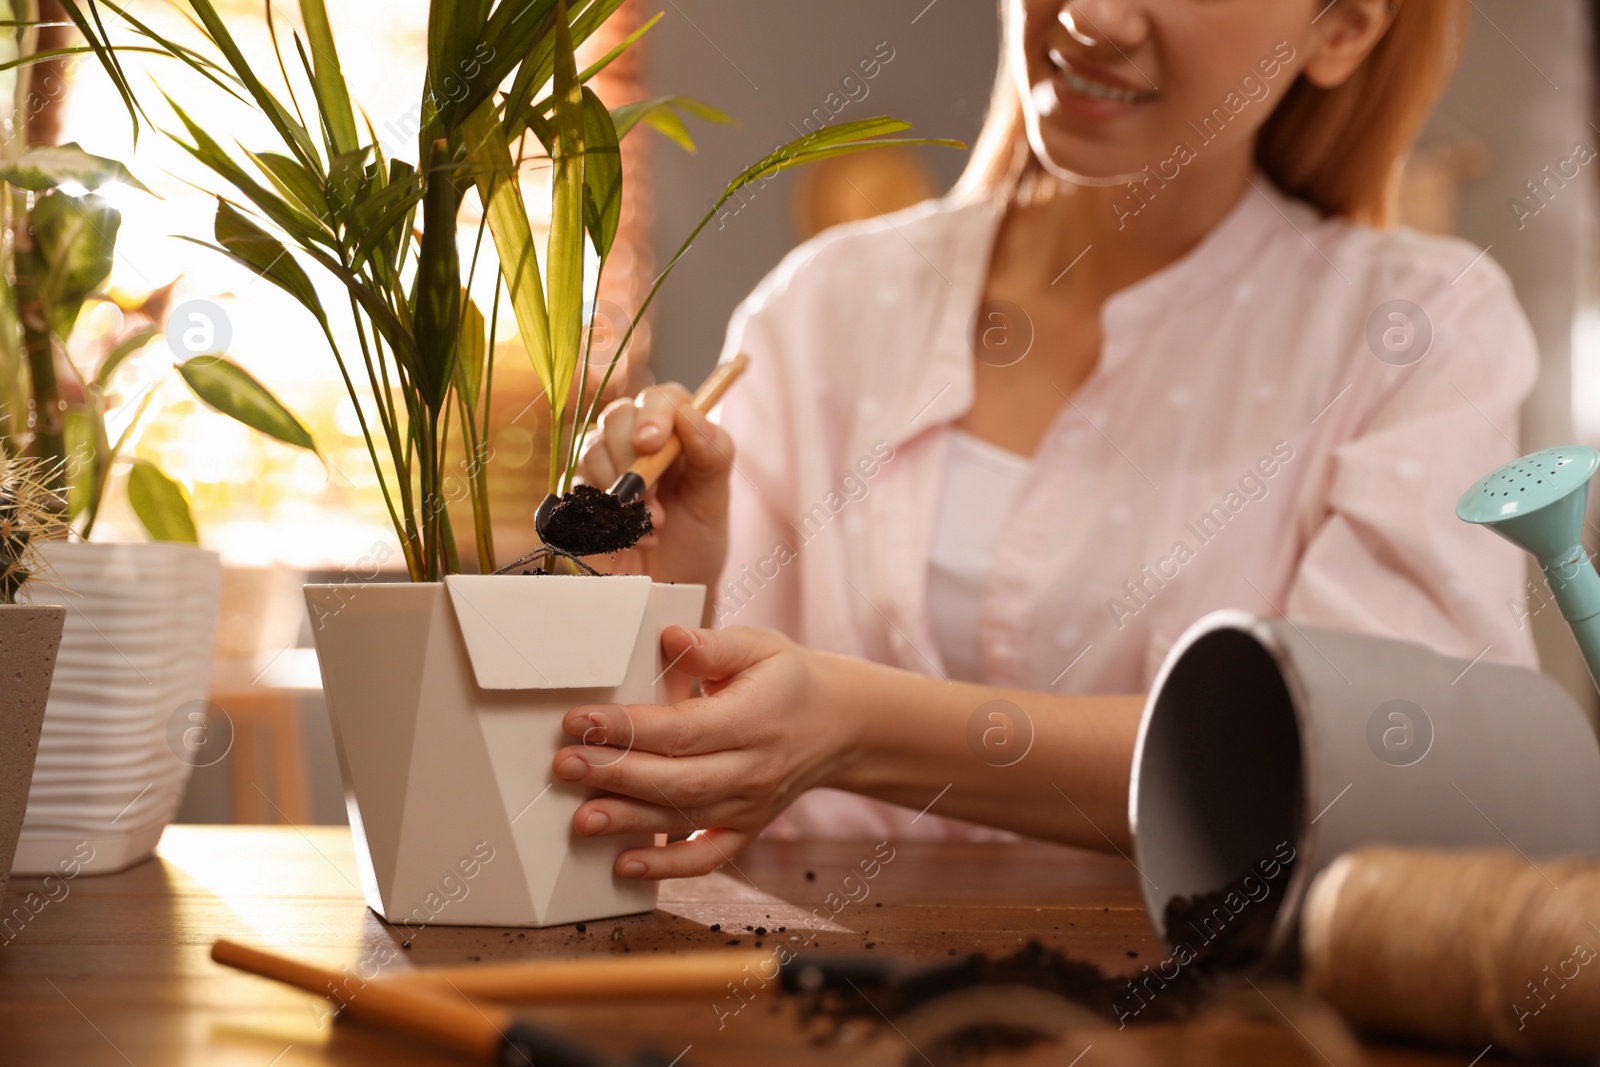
115 970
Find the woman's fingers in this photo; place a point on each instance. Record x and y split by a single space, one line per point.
693 782
707 447
692 729
701 854
640 425
656 415
617 425
718 654
609 815
607 452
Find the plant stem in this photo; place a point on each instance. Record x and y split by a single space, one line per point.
571 460
555 451
49 420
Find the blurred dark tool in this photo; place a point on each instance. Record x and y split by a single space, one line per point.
589 522
445 1019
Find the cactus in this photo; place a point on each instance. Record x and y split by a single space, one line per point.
30 514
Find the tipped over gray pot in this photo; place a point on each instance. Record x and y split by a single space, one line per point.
30 636
1263 740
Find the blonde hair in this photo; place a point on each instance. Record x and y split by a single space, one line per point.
1341 149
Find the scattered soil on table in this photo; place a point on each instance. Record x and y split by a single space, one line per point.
590 522
1033 965
1212 934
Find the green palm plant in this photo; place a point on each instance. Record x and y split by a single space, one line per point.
386 230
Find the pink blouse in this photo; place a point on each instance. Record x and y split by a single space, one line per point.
1259 433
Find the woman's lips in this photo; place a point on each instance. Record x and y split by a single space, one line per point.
1093 96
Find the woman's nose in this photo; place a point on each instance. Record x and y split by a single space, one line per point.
1120 24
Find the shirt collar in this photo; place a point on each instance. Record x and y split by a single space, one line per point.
1221 257
943 392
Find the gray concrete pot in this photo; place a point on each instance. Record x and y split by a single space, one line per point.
1263 740
30 636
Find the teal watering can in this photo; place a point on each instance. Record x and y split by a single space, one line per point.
1538 504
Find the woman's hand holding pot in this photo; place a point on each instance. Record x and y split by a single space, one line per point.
720 766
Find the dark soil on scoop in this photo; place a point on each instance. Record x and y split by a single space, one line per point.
591 522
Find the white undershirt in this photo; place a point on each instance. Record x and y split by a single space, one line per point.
981 483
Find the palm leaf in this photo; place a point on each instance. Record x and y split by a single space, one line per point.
293 180
264 254
283 213
661 115
472 352
494 170
565 258
543 106
327 80
539 67
437 301
107 57
507 38
294 135
602 174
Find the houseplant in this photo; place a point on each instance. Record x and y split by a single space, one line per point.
446 694
29 637
141 617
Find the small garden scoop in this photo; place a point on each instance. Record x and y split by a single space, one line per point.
588 522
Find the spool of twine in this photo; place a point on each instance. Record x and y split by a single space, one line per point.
1464 948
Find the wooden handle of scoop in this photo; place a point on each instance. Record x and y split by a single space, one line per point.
651 467
418 1010
601 978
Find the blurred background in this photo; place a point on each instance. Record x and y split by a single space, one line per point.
1524 100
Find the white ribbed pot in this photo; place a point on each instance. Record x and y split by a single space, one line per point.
135 659
446 701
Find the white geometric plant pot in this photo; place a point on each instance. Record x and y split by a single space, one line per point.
132 673
446 703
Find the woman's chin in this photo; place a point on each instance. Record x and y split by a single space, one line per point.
1080 164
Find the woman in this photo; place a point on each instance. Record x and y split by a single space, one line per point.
997 452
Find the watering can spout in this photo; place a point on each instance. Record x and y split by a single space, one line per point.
1538 503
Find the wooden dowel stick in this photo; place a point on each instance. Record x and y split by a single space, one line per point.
691 974
418 1010
710 392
